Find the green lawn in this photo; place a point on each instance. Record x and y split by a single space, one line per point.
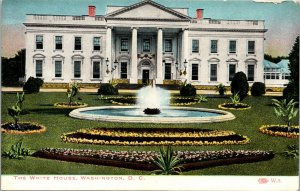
40 109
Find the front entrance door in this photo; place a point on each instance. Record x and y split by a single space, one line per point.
145 76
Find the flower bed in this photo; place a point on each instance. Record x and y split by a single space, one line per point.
280 130
67 105
231 106
174 101
143 160
154 136
22 128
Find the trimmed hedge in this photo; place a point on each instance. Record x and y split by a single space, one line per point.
188 90
33 85
258 89
239 85
107 89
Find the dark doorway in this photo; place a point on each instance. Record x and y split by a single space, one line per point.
145 76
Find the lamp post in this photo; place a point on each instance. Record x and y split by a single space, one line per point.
107 70
181 71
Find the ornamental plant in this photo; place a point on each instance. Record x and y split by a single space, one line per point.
21 98
201 98
258 89
14 112
285 110
235 99
221 89
187 89
16 151
72 91
168 163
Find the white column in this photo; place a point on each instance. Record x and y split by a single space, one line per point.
107 65
185 53
133 75
159 76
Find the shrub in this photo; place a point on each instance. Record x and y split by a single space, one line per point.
108 89
240 85
33 85
16 151
187 89
291 92
258 89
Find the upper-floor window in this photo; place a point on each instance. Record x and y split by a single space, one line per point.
39 42
77 43
124 44
168 45
96 43
58 42
146 45
232 46
251 47
39 68
213 46
195 46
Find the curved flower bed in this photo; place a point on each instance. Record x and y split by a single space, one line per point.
154 136
280 130
143 160
231 106
131 100
22 128
73 105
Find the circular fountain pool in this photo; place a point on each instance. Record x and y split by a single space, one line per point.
134 114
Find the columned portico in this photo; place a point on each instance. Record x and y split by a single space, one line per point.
159 77
133 74
108 61
185 52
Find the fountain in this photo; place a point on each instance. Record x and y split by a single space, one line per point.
152 99
152 107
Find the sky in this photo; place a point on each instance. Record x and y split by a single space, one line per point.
281 19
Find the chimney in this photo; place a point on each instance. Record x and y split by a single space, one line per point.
92 10
199 13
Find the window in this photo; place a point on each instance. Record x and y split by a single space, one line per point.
250 72
213 72
146 45
96 69
167 71
96 43
285 76
168 45
77 69
194 71
232 46
213 46
39 42
39 68
58 68
58 42
77 43
124 44
195 46
123 70
232 68
251 47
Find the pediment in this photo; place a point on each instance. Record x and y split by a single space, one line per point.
147 10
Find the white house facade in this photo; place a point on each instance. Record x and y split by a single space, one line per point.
141 42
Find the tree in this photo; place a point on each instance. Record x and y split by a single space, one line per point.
239 85
274 59
292 90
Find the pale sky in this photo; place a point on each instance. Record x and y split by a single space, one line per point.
282 19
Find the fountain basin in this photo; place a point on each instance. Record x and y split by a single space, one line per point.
133 114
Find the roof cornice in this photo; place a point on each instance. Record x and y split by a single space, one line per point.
63 25
228 30
149 19
167 9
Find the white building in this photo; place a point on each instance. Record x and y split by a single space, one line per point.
143 41
276 75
